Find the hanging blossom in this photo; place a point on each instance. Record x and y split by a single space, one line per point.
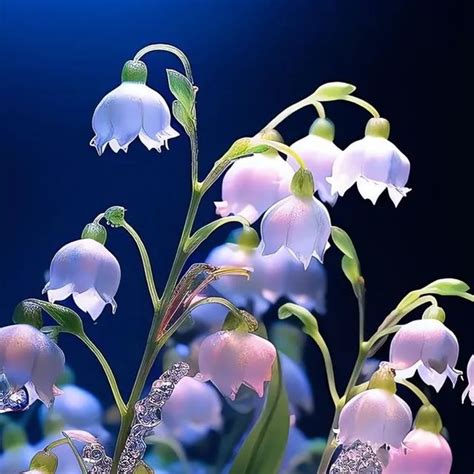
374 163
319 153
89 272
377 416
470 381
428 347
193 410
232 358
30 362
254 184
132 109
299 222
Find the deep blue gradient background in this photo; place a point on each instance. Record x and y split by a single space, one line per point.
251 58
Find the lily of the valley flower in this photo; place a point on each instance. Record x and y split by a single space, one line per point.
132 109
470 381
377 416
193 409
29 358
86 270
254 184
426 346
374 163
299 222
319 153
232 358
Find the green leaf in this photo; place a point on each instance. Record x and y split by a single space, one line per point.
77 455
68 319
182 89
350 269
310 323
263 450
28 312
343 242
446 286
334 91
184 118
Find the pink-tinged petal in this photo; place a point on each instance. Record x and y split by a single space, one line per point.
375 416
253 184
81 435
424 453
232 358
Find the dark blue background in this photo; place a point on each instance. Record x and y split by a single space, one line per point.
251 58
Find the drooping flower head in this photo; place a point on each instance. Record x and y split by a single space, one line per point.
299 222
232 358
253 184
377 416
426 346
193 409
89 272
470 381
374 163
30 363
132 109
319 153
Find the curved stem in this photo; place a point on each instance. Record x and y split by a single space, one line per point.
319 109
155 299
170 49
381 334
362 103
423 398
361 308
283 149
108 372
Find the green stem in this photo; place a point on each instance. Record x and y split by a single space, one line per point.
150 281
423 398
108 372
362 103
361 308
283 149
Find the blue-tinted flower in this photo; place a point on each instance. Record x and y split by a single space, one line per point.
17 459
89 272
132 109
29 358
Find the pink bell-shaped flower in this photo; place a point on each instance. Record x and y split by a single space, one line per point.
253 184
299 222
192 411
374 163
319 153
28 358
232 358
89 272
426 346
377 416
470 381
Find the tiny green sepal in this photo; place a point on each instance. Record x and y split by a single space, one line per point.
334 91
45 462
383 378
248 238
95 231
115 216
240 321
434 312
324 128
302 183
428 419
378 127
28 312
134 71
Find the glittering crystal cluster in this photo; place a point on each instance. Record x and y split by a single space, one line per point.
148 416
17 401
358 458
96 459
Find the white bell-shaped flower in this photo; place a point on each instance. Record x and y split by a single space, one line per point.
132 109
426 346
88 271
319 153
469 390
374 163
28 358
299 222
232 358
253 184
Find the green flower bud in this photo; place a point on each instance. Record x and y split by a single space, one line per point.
378 127
134 71
44 461
428 419
95 231
434 312
115 216
324 128
383 378
302 183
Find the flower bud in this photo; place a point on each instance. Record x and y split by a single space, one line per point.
44 461
95 231
115 216
434 312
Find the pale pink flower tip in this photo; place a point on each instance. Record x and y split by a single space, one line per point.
423 452
81 435
232 358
